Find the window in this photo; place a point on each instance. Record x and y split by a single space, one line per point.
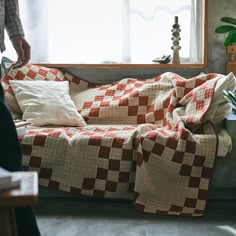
111 32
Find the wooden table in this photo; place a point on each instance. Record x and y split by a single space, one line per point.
26 194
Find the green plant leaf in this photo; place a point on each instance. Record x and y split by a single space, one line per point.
230 20
230 101
231 38
224 29
230 97
225 93
231 94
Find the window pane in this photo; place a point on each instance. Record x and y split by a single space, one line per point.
87 31
151 24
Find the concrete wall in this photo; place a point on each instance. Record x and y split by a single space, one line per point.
216 52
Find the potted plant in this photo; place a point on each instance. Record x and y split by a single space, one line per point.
229 29
231 98
229 43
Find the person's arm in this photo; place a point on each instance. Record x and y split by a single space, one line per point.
12 19
16 33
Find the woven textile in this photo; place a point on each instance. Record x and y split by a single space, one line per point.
173 149
145 140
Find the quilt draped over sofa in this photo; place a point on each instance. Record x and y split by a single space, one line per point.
150 140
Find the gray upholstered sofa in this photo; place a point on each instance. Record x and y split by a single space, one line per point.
222 185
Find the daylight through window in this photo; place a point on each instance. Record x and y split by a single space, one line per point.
105 31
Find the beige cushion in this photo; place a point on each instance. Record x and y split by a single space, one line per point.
46 103
27 72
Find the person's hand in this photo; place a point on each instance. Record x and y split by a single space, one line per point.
22 49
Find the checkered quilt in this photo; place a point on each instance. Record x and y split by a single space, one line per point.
146 140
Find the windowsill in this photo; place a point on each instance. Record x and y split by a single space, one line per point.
154 65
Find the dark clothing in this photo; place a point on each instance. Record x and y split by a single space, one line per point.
10 159
10 151
25 222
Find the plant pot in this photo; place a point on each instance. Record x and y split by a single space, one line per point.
231 63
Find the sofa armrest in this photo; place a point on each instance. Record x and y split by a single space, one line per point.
230 126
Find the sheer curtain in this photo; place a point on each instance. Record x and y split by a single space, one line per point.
33 14
105 31
35 20
196 39
151 25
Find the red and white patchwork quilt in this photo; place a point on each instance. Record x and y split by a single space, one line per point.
147 139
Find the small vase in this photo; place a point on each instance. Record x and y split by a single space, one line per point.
175 57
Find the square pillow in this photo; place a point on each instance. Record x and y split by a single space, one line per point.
46 103
27 72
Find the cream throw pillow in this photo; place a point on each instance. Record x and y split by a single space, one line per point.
46 103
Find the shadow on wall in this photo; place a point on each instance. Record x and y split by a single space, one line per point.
109 75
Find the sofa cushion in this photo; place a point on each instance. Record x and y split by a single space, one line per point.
46 103
27 72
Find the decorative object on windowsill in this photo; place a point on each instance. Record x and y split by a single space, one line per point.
231 98
230 41
163 60
176 47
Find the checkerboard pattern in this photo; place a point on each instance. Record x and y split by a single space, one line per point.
142 142
181 172
128 101
139 101
98 163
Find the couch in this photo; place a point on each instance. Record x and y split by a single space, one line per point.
164 142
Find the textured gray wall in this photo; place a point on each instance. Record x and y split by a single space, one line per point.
216 52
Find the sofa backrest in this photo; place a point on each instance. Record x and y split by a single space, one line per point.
127 101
